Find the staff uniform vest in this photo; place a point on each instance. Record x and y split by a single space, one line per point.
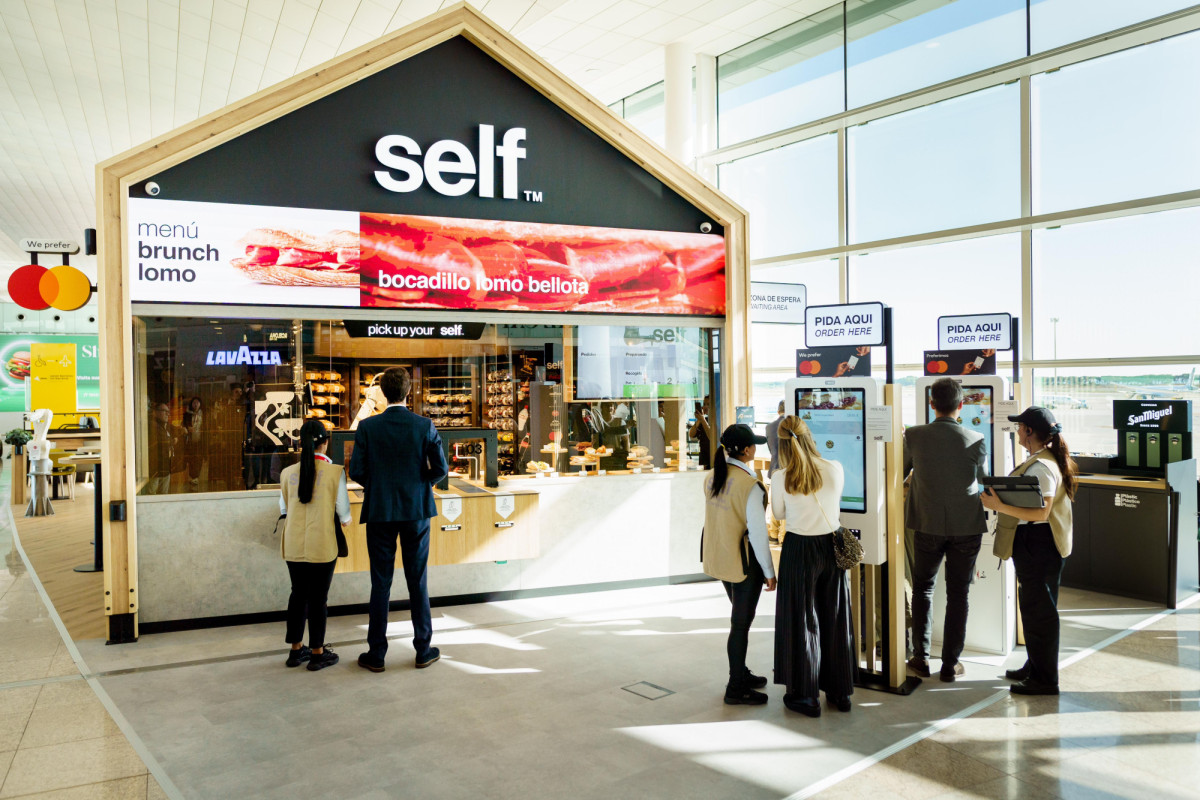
724 542
308 533
1060 512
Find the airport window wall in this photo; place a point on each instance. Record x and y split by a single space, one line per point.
959 156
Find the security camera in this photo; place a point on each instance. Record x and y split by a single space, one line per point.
20 316
91 319
706 227
153 189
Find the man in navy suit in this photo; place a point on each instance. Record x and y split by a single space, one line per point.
397 458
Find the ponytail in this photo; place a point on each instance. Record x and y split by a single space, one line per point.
312 433
720 472
1066 465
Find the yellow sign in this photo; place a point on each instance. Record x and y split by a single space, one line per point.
52 377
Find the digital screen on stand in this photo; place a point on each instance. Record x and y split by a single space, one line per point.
976 415
837 419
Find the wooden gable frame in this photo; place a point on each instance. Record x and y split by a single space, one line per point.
115 176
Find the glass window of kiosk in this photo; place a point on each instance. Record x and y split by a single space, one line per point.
221 401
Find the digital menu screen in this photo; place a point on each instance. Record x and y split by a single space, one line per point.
837 419
976 415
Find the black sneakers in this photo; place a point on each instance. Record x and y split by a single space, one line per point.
755 681
743 697
297 657
322 660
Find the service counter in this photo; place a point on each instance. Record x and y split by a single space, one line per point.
1136 537
205 558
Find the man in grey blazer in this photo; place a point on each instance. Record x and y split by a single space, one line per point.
945 462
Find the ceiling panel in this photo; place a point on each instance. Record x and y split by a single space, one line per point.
81 80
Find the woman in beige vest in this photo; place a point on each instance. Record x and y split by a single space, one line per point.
734 550
814 638
1038 540
312 491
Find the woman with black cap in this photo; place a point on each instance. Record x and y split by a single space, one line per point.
734 550
1038 540
814 637
313 499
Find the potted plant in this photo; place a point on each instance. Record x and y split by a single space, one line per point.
17 437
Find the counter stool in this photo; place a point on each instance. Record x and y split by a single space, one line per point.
62 474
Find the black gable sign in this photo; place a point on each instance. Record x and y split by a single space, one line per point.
448 132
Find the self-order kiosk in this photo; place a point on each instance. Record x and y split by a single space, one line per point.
991 623
835 410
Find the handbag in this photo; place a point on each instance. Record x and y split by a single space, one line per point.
847 549
343 547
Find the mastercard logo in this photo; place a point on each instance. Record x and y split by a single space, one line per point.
936 367
37 288
810 367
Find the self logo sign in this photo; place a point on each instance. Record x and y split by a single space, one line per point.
449 166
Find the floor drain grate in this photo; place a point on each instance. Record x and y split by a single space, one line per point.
647 690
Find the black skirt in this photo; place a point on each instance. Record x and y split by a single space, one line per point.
814 638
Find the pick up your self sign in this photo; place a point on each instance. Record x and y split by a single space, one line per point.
992 331
857 323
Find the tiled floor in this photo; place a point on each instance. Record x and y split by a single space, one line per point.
529 701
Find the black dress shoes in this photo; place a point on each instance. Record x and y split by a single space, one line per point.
1032 687
808 706
1020 674
373 663
840 703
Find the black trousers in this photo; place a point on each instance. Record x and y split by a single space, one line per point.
414 552
1039 567
960 553
814 636
310 593
744 596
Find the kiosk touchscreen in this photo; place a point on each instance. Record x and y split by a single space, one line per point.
835 410
991 625
980 394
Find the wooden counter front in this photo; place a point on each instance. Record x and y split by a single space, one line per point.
480 533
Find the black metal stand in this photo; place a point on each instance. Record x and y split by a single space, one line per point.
97 564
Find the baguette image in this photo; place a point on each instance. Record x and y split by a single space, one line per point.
440 262
296 258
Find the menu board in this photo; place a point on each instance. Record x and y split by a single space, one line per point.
194 252
837 419
976 415
638 362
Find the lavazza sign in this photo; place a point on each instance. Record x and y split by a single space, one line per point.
449 166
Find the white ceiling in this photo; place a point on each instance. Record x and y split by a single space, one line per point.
82 80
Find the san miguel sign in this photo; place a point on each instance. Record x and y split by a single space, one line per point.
500 201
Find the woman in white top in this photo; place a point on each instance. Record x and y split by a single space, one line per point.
814 638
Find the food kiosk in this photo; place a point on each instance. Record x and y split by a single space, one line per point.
549 277
835 411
